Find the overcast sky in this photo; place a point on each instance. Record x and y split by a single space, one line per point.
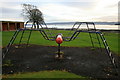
63 10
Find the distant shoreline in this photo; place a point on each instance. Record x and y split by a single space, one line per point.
102 30
115 31
117 24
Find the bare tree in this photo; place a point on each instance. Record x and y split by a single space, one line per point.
32 14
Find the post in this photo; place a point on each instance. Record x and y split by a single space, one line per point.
59 50
59 40
8 26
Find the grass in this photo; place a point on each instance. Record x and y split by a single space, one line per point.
44 74
83 39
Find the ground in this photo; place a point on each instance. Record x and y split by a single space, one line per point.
84 61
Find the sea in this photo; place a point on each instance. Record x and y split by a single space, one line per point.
70 25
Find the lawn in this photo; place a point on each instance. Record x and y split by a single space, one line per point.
83 39
44 74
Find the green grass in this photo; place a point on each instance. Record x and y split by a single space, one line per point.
44 74
83 39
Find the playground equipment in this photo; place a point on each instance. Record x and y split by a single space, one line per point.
59 38
74 32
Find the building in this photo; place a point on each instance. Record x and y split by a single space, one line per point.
11 25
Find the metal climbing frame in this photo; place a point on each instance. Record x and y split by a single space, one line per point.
76 33
10 43
46 32
109 53
99 36
41 29
26 39
49 36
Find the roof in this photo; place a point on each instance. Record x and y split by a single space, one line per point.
13 21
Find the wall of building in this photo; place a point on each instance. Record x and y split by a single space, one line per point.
4 27
10 26
21 25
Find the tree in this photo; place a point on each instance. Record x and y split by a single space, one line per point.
32 14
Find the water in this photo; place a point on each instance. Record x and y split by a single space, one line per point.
70 25
104 27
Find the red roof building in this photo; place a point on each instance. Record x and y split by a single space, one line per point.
11 25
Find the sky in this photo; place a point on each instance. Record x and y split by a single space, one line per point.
63 10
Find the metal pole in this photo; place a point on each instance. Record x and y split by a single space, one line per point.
58 50
10 43
90 36
108 53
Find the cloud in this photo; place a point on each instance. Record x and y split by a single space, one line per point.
10 11
108 18
49 0
61 12
81 11
65 10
